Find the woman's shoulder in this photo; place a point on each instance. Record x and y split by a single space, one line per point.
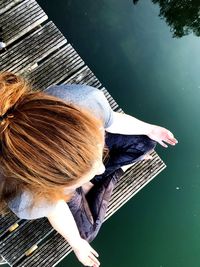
22 206
84 96
78 92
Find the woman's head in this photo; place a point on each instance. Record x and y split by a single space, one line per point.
46 144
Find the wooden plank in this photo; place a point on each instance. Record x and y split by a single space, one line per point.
56 247
44 58
111 101
6 222
84 76
7 4
32 49
20 20
2 261
34 230
59 66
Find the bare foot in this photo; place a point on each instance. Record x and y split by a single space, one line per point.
145 157
125 167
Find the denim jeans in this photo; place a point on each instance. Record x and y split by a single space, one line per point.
89 211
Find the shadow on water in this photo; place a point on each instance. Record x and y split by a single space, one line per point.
183 17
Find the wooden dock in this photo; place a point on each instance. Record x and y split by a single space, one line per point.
37 49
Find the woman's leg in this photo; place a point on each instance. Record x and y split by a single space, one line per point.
89 210
125 150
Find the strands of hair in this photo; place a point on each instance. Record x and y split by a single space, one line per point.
46 144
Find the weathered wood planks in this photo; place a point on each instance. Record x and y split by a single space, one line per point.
39 51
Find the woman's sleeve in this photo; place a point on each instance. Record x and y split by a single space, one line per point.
84 96
20 206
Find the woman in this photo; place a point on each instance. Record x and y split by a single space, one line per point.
57 160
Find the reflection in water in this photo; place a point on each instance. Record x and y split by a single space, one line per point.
182 16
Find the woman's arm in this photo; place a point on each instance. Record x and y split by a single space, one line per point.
126 124
63 222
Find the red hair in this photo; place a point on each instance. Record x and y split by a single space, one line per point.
46 143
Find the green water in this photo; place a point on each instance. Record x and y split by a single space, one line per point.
156 78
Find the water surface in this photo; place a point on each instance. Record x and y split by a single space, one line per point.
154 77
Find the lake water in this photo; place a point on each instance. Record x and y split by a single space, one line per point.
156 78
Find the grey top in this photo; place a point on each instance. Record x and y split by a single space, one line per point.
83 96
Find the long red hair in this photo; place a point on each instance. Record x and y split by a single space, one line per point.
46 144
